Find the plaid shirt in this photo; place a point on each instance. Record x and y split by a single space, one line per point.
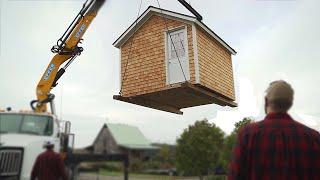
276 148
49 166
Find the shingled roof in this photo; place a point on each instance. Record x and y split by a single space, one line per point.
172 15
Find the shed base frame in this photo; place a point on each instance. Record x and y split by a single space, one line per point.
177 97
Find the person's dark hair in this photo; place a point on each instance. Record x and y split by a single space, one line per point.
49 147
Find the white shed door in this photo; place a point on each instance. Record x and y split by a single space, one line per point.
178 61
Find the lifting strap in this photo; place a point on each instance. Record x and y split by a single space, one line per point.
170 36
130 48
132 39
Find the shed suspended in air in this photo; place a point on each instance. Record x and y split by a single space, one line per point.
171 61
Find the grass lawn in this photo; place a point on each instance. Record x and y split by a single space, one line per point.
149 176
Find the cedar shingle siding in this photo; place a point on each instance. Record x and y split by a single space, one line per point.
146 69
144 79
215 65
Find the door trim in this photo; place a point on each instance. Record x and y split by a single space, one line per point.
195 53
166 33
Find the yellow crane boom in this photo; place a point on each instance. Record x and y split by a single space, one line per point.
66 51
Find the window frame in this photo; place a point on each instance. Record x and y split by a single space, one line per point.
51 123
167 33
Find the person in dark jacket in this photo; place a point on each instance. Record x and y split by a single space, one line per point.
49 165
278 147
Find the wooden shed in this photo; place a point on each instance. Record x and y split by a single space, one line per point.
171 61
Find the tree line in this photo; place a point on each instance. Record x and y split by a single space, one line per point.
202 149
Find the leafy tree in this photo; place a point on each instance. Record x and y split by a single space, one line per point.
230 141
164 153
241 123
198 148
165 156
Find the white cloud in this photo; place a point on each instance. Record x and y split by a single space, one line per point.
247 107
308 120
287 50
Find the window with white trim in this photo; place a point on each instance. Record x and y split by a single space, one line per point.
177 56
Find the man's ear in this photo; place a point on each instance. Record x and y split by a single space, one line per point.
266 103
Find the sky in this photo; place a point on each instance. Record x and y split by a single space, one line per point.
275 39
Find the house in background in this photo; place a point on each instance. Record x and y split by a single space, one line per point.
171 61
122 139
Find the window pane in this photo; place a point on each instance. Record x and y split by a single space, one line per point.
10 123
177 48
29 124
38 125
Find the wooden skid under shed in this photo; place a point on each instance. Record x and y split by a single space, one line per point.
176 97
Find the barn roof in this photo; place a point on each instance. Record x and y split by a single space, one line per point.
129 137
172 15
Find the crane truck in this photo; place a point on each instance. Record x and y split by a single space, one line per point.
23 133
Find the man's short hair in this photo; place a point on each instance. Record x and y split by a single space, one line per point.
280 95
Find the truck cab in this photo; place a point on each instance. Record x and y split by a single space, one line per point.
22 135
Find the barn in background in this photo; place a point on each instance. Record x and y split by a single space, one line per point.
122 139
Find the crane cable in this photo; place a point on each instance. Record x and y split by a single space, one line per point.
168 32
130 49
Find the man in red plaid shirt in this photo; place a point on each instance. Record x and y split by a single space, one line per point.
278 147
49 165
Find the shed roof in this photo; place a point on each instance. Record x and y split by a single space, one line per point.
128 136
168 14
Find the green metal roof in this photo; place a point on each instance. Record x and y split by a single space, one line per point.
129 137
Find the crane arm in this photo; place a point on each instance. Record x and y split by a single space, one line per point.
191 9
66 51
